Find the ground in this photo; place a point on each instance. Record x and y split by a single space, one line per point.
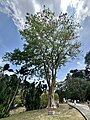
62 113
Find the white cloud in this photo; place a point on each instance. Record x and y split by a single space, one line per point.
80 65
36 6
18 8
82 8
54 5
6 72
1 63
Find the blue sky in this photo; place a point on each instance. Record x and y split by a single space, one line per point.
12 17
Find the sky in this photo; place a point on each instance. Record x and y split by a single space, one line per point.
12 18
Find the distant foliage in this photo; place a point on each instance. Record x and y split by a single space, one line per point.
87 59
87 62
75 86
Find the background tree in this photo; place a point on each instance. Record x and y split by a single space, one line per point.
49 44
87 59
77 73
88 92
76 89
77 85
87 62
6 67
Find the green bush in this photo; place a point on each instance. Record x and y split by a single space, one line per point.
18 101
44 99
56 97
3 112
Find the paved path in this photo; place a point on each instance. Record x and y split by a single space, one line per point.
83 109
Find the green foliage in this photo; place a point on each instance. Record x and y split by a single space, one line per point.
87 59
3 112
74 90
6 67
8 86
44 99
56 97
50 42
77 73
60 90
88 92
87 62
18 101
76 87
32 93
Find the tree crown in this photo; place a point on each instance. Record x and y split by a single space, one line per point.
50 41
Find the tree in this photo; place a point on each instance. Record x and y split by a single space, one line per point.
88 92
87 59
87 62
77 85
76 88
77 73
6 67
49 44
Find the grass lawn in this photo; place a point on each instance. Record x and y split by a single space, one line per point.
62 113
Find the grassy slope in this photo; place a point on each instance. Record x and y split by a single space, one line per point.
62 113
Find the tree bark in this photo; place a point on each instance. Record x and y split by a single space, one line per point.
51 102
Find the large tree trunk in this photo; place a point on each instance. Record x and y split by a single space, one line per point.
51 102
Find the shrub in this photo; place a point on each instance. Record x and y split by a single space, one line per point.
56 97
44 99
3 112
18 101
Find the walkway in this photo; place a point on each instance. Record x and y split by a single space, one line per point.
83 109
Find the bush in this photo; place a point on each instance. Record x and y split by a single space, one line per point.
44 99
3 112
56 97
17 101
